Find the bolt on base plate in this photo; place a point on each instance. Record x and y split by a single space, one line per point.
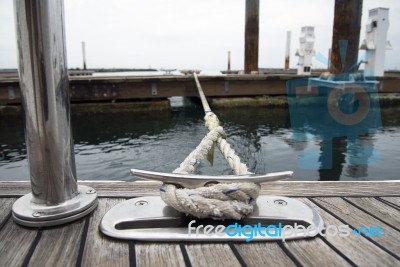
150 219
27 213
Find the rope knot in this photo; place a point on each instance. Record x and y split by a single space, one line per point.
217 201
211 121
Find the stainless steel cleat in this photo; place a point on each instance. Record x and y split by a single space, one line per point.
194 181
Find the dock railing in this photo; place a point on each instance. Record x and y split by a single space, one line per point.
56 198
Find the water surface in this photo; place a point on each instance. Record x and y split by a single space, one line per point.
107 145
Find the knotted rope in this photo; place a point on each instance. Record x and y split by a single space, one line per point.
218 201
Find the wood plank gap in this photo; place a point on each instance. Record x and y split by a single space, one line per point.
358 249
370 214
32 248
291 256
211 254
11 196
132 254
5 220
185 254
393 205
263 254
237 254
83 242
353 228
285 188
376 243
338 251
101 250
159 254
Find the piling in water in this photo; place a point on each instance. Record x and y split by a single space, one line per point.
287 54
84 55
346 36
229 61
251 36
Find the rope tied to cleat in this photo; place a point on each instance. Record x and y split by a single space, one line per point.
216 201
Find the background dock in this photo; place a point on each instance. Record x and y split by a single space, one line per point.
84 89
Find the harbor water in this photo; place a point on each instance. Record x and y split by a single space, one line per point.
108 144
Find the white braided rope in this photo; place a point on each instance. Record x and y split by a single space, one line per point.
233 160
194 158
219 201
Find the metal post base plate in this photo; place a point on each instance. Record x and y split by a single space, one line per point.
150 219
27 213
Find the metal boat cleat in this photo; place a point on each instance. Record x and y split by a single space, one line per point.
194 181
150 219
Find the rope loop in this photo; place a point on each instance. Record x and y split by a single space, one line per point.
218 201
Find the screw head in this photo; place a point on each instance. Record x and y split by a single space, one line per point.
141 203
91 191
36 214
280 202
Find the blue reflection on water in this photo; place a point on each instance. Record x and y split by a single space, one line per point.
335 112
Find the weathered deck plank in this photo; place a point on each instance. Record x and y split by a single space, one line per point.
81 243
100 250
6 205
283 188
378 209
356 218
393 200
315 252
356 248
58 246
15 243
264 254
211 254
159 254
335 188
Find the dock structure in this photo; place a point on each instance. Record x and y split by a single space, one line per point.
80 243
125 88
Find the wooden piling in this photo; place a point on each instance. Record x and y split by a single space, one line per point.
229 61
287 53
251 36
346 36
84 55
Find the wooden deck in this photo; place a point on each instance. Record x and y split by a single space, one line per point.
356 204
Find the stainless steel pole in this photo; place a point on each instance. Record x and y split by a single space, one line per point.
56 198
